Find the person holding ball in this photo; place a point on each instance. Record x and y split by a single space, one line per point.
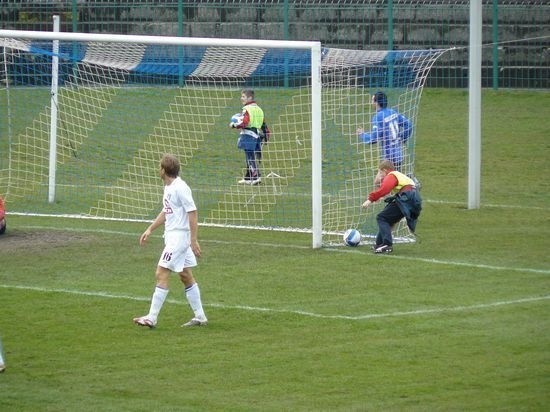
253 134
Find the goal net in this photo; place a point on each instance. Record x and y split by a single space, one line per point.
84 123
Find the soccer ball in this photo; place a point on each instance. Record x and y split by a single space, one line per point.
352 237
236 119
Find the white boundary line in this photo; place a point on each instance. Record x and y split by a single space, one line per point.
293 312
337 250
299 312
453 263
425 200
485 205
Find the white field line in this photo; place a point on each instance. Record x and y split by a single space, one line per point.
289 311
336 250
448 262
425 200
492 205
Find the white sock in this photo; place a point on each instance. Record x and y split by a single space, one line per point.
193 295
159 296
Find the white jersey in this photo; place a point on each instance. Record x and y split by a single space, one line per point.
177 201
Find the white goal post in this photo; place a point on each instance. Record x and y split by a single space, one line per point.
124 100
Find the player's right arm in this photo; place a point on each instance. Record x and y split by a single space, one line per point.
245 122
363 136
159 220
388 183
374 135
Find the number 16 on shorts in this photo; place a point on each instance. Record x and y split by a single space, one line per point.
166 256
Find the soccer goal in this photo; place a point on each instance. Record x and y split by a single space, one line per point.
86 118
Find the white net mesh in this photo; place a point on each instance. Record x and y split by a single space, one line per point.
121 106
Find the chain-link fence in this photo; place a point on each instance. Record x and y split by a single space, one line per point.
516 34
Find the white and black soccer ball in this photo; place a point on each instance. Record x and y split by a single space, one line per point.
352 237
236 119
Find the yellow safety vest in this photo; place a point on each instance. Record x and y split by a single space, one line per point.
256 115
402 180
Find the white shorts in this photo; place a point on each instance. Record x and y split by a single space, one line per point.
177 254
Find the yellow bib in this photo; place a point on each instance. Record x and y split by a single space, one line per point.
402 180
256 115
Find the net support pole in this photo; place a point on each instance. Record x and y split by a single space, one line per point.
2 362
316 148
474 116
53 114
313 46
8 105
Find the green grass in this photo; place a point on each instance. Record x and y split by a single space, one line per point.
290 327
458 321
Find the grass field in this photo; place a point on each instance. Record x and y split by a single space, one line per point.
458 321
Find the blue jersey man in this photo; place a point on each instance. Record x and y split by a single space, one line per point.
389 128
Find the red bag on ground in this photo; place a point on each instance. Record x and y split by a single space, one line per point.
2 216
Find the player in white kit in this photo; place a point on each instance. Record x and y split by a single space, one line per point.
181 248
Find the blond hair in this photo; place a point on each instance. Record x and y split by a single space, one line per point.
386 165
170 164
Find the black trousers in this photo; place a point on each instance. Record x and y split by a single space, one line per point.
252 160
386 219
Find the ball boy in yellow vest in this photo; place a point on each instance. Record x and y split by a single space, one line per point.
253 133
405 202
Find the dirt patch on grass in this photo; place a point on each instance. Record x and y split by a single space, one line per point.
18 240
